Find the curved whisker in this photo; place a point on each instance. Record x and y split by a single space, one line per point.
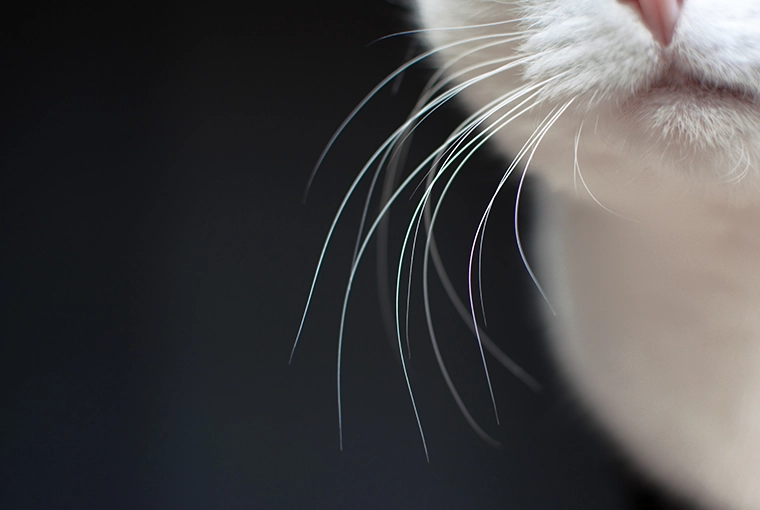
462 143
533 142
503 359
577 171
354 266
517 209
478 141
431 106
448 29
375 90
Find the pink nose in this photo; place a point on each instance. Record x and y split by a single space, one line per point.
659 16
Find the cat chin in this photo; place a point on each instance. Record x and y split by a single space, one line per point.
692 116
648 145
711 140
708 134
675 139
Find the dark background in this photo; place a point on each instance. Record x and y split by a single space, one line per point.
156 257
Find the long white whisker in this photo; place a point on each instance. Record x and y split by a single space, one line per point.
533 141
462 132
435 85
447 29
576 166
453 154
515 161
577 171
397 161
479 238
452 151
517 208
375 90
388 142
480 282
465 71
434 104
474 319
368 200
354 266
501 357
442 366
492 348
352 275
485 136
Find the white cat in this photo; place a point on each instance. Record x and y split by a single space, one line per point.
642 119
652 260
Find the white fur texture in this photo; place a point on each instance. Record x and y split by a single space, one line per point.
658 301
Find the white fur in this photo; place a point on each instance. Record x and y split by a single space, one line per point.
658 305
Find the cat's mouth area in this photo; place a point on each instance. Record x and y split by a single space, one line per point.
680 87
692 112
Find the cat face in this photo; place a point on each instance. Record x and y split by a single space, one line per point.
691 106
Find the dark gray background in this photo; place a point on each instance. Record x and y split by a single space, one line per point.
156 257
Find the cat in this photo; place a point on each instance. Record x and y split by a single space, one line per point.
641 121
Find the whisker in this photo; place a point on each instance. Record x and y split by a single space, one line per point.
424 113
480 282
363 247
410 51
468 127
434 104
444 371
485 135
433 86
354 266
399 157
452 77
447 29
374 91
577 171
474 319
462 132
479 241
380 156
428 181
517 208
367 201
532 142
397 161
730 176
464 314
